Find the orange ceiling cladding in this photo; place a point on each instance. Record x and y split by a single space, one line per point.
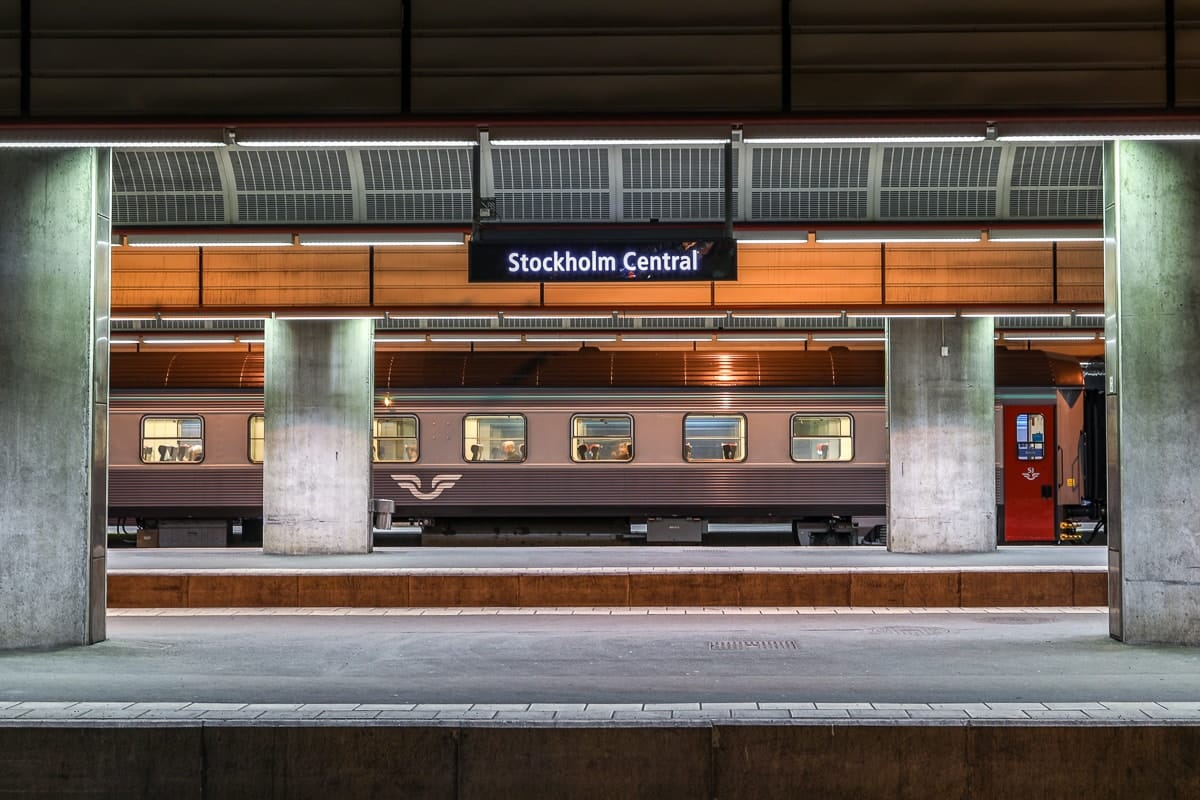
810 277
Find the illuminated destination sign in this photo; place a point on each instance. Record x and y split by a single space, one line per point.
676 260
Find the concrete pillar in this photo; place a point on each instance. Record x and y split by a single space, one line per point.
54 306
941 435
319 394
1152 369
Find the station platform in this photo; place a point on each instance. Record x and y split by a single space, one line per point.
735 702
611 577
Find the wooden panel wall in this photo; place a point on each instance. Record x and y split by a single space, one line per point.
974 273
153 278
804 274
437 276
287 277
769 276
1080 273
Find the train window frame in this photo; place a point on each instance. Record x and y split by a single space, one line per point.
686 444
416 437
522 447
251 439
793 438
178 418
1025 449
574 442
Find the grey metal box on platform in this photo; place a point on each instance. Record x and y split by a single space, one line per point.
192 533
676 529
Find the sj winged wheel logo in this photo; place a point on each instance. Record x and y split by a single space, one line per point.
439 484
1030 475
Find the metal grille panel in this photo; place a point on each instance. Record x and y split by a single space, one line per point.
677 183
157 186
809 182
417 185
293 185
939 182
551 184
1057 181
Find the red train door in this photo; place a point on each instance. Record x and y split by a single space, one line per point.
1029 473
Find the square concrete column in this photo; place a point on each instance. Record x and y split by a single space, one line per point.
319 400
1152 372
941 435
54 306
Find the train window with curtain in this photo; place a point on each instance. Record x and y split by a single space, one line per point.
494 437
395 439
825 437
172 440
602 437
257 437
1031 437
714 437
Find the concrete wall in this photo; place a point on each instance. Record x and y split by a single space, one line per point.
318 396
54 301
941 435
1152 305
703 760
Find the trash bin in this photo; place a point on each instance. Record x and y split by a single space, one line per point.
381 514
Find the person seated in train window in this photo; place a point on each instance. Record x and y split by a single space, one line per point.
410 452
163 453
687 451
147 453
476 452
593 451
510 451
522 451
193 453
823 450
624 451
582 451
729 450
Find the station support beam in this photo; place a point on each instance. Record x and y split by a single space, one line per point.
1152 377
319 399
941 435
54 305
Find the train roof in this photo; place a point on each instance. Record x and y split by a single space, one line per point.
586 368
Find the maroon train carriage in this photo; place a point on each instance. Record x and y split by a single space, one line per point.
504 442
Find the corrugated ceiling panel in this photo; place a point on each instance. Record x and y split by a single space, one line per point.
1057 181
417 185
674 183
157 186
809 183
944 182
551 184
293 185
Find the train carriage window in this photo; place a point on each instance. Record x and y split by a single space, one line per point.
257 438
172 439
602 438
1031 437
714 437
822 438
395 439
494 437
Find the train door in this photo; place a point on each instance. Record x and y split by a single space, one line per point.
1029 479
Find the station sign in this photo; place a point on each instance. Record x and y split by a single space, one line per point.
711 259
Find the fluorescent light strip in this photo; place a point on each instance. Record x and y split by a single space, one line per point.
766 316
866 140
902 315
1099 137
201 240
605 142
721 337
359 143
629 338
221 340
398 339
568 339
325 318
742 240
475 339
1049 338
1034 315
820 338
250 340
883 238
381 243
55 145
